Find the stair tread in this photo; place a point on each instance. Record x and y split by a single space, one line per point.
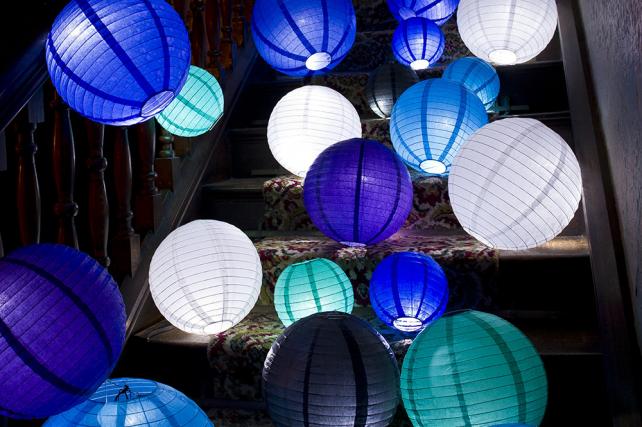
251 184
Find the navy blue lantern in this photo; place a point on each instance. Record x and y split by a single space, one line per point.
418 43
438 11
408 291
478 76
118 62
301 38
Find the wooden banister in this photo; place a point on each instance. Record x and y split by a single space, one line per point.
147 197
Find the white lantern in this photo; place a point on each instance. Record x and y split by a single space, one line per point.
507 32
305 122
515 184
205 277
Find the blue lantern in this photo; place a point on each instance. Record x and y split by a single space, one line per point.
133 402
300 38
476 75
438 11
431 121
408 291
118 62
418 43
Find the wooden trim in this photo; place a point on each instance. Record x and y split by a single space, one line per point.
610 281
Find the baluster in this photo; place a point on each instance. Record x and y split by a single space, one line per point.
64 170
238 23
97 202
166 163
147 200
226 39
199 35
213 25
125 248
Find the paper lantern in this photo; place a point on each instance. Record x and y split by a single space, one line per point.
309 287
418 43
331 369
477 76
300 38
118 62
386 85
358 192
431 121
205 277
438 11
408 291
305 122
62 329
197 107
133 402
475 369
507 32
515 184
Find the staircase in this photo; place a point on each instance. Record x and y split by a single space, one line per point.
547 292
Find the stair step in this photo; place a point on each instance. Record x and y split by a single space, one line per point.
238 201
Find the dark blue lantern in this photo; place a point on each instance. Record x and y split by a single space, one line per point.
478 76
301 38
418 43
408 291
438 11
118 62
62 328
358 192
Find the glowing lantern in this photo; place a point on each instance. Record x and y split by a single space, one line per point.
386 85
305 122
197 107
431 121
301 38
418 43
477 76
205 277
438 11
515 184
118 62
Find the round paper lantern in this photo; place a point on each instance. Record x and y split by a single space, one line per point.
386 85
205 277
515 184
438 11
118 62
331 369
358 192
305 122
477 76
431 121
301 38
62 329
507 32
418 43
408 291
133 402
309 287
197 107
475 369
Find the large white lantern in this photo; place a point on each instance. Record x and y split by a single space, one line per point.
305 122
205 277
515 184
507 32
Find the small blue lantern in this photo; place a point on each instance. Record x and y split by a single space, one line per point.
133 402
431 121
476 75
438 11
300 38
408 291
118 62
418 43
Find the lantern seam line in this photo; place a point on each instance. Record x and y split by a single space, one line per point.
360 377
453 358
395 204
344 36
306 379
357 195
463 103
164 44
395 287
278 49
288 17
326 26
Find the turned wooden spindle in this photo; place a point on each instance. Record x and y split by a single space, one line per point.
238 23
166 163
147 198
63 156
213 25
226 34
97 202
198 37
125 247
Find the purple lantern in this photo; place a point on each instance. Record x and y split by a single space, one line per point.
62 328
358 192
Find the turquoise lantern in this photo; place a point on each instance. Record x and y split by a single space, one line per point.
475 369
430 122
197 108
477 76
312 286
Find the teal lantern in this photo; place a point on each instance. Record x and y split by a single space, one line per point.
310 287
475 369
197 108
